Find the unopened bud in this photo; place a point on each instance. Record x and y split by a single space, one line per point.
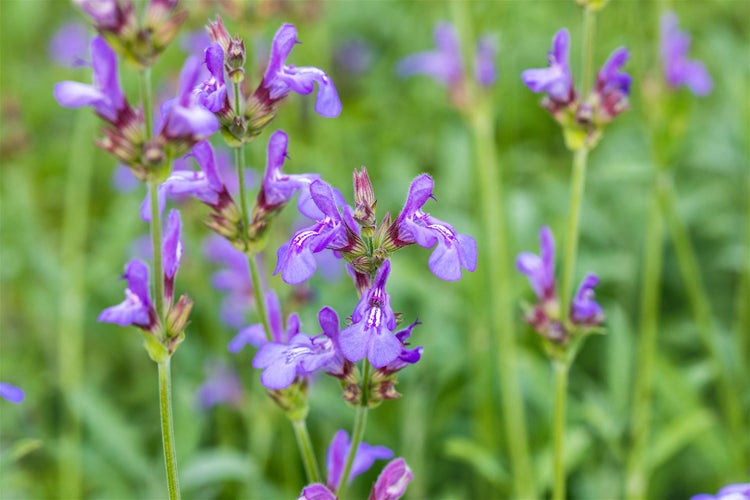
364 202
219 34
178 316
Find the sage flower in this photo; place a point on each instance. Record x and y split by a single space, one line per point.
678 69
11 393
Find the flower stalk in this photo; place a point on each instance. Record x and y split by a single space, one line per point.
167 428
306 450
561 368
577 186
358 433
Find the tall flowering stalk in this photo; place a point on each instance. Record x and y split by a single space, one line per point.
471 94
148 149
583 117
677 71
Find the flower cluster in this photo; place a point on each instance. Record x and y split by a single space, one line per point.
225 58
582 117
117 22
545 316
184 122
139 310
390 485
445 64
337 228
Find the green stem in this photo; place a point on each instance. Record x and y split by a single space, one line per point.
73 300
577 185
500 297
153 189
258 294
167 429
701 308
358 433
147 102
589 18
637 466
306 450
558 429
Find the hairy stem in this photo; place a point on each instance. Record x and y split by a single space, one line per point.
358 433
589 21
167 429
306 450
153 189
636 471
558 429
577 184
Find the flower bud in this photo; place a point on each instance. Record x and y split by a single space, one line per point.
177 319
364 203
219 34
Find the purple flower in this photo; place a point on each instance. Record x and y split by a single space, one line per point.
739 491
256 336
613 86
584 310
107 15
184 118
540 269
11 392
316 491
234 279
678 69
373 323
69 45
443 64
195 42
556 80
296 260
364 458
392 482
407 356
105 95
137 308
280 79
485 70
302 355
453 251
212 93
278 187
221 386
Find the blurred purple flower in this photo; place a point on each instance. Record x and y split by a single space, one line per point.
452 251
256 336
556 80
11 393
234 279
105 95
280 78
364 458
184 118
107 15
212 93
296 260
353 57
584 310
445 63
613 86
739 491
540 269
222 386
392 482
195 42
278 188
678 69
373 324
69 45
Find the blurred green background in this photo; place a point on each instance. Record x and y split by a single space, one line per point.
398 129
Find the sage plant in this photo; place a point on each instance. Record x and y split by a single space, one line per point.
583 115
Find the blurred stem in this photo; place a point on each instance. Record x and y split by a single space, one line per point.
499 314
558 428
258 295
153 190
500 291
358 433
167 429
589 21
147 101
306 450
577 184
636 471
73 300
701 307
